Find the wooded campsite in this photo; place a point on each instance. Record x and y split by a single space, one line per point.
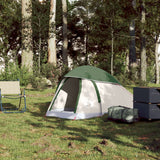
43 40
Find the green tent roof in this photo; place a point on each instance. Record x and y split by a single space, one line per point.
92 73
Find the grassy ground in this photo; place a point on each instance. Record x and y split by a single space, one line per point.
32 136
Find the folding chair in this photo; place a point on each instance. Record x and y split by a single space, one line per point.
11 90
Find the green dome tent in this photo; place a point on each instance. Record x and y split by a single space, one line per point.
86 92
91 73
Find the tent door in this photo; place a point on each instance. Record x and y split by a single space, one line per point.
71 87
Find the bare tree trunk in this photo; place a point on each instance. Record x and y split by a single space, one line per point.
143 47
112 48
86 29
27 45
39 48
132 49
157 61
86 46
127 62
52 57
65 39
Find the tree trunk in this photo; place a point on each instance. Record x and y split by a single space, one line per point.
157 61
143 47
27 45
39 47
132 49
112 47
127 63
52 57
86 47
65 39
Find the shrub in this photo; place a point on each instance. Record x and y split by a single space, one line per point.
48 73
38 82
14 72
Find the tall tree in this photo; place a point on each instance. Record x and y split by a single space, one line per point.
153 33
108 32
132 49
52 56
65 38
143 42
112 47
10 30
27 46
157 60
40 25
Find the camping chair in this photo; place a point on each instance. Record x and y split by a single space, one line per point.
11 90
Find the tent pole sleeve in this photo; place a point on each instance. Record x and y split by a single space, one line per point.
79 93
97 91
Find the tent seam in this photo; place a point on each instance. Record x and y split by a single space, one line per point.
97 91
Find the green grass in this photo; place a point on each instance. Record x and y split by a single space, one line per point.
32 136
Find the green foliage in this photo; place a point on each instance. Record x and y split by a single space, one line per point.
131 77
64 70
49 70
10 22
124 79
151 74
90 23
13 72
38 82
48 73
40 27
119 63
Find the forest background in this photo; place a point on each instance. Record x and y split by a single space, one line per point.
45 39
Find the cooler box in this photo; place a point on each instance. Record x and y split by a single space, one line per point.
148 111
147 95
147 101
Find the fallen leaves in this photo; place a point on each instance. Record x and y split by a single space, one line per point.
99 149
104 142
71 145
143 138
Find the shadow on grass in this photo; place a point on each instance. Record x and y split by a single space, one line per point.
9 106
39 109
74 132
143 134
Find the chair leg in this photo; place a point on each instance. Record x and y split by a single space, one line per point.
1 100
19 103
25 107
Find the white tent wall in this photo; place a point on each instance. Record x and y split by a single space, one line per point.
88 105
80 95
113 95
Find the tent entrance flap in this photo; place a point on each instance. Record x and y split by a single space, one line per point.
71 87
